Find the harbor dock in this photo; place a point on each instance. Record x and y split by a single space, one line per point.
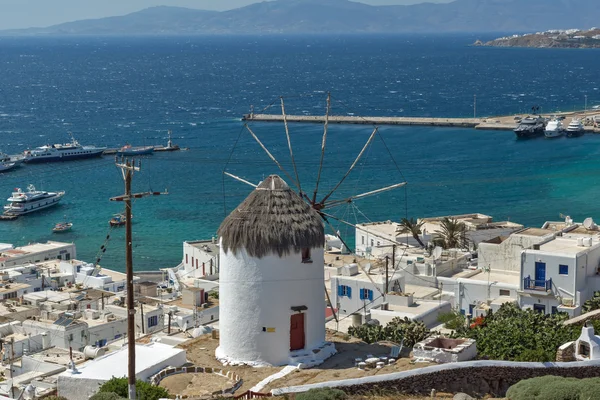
501 123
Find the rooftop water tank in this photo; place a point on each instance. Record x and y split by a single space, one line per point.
93 352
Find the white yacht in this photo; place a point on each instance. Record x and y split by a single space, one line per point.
575 128
555 128
32 200
62 152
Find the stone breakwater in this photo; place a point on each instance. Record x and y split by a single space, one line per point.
476 378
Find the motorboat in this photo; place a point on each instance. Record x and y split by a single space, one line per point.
17 158
530 127
554 129
575 128
62 227
129 150
118 220
62 152
22 202
7 166
169 147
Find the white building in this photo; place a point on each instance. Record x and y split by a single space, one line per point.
148 319
355 292
271 290
149 360
200 258
376 239
37 252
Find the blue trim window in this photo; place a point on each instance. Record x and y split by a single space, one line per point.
152 321
344 290
366 294
563 269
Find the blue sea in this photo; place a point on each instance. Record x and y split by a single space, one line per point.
112 91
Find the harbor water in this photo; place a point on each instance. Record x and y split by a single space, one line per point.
112 91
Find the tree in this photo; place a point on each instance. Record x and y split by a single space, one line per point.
592 304
397 330
144 390
413 227
451 234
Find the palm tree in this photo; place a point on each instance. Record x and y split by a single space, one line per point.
413 227
452 233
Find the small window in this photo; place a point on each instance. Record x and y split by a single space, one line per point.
362 239
378 243
563 269
344 290
554 310
371 242
152 321
306 255
584 349
504 292
366 294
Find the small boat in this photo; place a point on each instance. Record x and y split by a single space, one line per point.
62 152
22 202
169 147
530 127
575 128
5 167
554 129
129 150
62 227
17 159
118 220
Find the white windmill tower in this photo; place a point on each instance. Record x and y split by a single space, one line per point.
272 309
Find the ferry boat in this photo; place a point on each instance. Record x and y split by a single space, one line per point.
575 128
169 147
530 127
128 150
33 200
554 129
62 152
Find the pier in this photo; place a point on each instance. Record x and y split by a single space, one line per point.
501 123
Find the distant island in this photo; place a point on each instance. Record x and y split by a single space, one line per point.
337 17
555 38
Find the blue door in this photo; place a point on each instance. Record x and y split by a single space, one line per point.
539 308
540 274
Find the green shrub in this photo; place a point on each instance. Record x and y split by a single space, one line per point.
53 397
555 388
397 330
106 396
452 320
144 390
322 394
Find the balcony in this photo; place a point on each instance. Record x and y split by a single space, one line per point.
540 285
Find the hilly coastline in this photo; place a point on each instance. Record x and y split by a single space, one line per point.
572 38
336 17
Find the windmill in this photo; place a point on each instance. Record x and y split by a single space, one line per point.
320 200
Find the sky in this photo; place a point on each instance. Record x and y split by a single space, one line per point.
16 14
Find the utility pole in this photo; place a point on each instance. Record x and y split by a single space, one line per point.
12 354
127 169
387 279
585 110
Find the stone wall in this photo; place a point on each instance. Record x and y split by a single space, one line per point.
237 381
476 378
566 352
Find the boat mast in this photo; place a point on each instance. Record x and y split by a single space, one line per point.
169 143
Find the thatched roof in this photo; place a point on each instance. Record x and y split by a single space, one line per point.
272 220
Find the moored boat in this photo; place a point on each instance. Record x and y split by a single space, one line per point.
575 128
62 152
530 127
22 202
62 227
118 220
17 158
554 129
129 150
5 167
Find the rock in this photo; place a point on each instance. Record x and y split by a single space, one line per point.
462 396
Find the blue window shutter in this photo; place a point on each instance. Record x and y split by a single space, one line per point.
362 294
349 292
371 295
340 290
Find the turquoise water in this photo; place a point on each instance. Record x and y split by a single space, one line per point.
112 91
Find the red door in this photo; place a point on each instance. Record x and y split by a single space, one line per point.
297 332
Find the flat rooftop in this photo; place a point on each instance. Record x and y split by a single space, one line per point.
385 228
535 232
205 245
34 248
417 308
566 246
339 260
115 364
497 276
12 287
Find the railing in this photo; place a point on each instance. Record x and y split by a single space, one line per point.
252 395
540 284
